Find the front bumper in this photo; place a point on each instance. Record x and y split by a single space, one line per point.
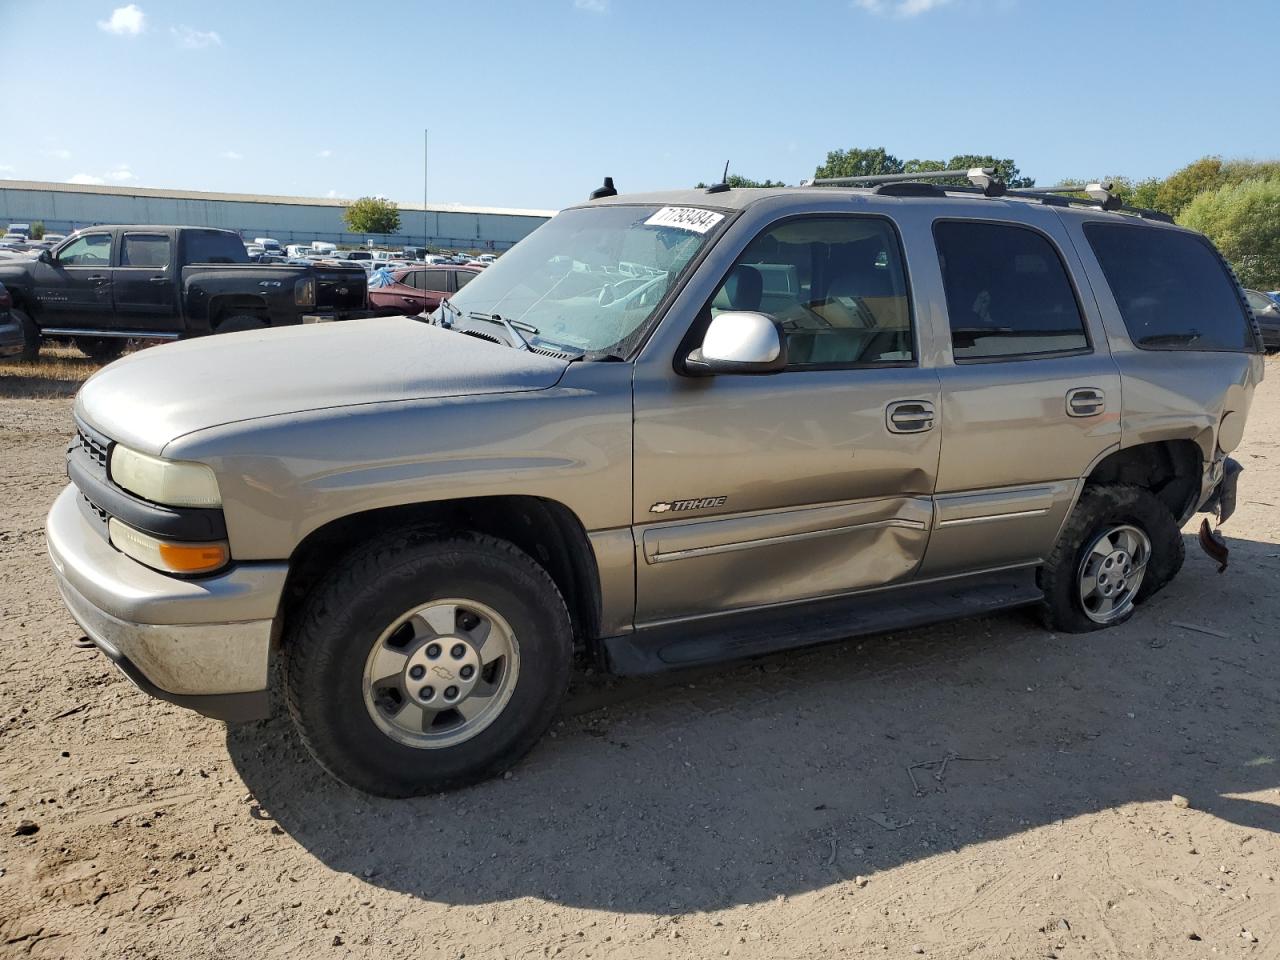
203 644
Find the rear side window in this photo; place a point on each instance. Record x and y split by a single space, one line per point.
434 280
1172 288
1008 294
463 277
144 250
213 246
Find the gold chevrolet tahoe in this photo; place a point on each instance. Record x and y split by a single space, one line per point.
663 430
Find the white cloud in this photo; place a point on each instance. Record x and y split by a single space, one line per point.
86 178
125 21
194 39
121 173
231 155
58 153
334 195
592 6
325 154
899 8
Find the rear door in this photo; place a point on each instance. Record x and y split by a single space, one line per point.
1030 392
76 293
146 287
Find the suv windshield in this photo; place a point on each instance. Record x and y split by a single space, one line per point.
591 278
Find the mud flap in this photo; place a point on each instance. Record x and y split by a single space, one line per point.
1222 504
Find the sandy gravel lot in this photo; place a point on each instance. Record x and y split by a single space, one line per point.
760 811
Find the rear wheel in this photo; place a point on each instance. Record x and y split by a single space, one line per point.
1119 546
424 662
101 349
30 336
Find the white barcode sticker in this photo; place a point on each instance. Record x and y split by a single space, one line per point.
685 218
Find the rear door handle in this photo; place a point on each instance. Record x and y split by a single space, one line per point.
1086 402
909 416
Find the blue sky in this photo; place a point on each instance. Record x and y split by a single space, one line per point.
530 103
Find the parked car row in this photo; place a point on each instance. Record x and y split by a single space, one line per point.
104 286
1266 309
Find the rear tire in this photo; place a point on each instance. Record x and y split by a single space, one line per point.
239 322
101 349
30 336
1119 546
378 613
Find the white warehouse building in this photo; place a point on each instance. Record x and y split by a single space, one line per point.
63 207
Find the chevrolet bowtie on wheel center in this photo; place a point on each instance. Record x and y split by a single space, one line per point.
664 430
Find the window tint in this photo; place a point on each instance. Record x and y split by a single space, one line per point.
1171 287
432 280
837 286
144 250
212 246
412 278
93 249
1007 292
463 277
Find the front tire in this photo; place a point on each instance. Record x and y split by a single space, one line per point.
427 662
101 349
1118 547
30 336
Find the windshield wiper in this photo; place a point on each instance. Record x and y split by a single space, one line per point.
513 327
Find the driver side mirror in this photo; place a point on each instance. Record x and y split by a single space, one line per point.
739 341
45 256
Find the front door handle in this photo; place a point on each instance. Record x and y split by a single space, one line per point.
1086 402
909 416
97 278
158 280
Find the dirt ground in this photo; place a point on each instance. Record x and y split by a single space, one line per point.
761 811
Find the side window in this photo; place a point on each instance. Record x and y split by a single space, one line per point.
412 278
90 250
836 284
1008 294
434 280
1172 288
144 250
463 277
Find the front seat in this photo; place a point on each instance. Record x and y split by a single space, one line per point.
743 289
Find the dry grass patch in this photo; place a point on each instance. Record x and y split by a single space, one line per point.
57 374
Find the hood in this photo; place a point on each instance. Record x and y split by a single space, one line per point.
154 396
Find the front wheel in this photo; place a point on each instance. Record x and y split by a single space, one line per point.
425 663
30 336
101 349
1118 547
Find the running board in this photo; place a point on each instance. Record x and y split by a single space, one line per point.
750 634
117 334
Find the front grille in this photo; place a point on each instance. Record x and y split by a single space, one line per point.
96 449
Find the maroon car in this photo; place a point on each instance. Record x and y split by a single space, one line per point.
420 289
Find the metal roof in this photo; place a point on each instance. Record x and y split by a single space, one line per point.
116 191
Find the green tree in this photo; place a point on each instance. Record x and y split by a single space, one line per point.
1243 219
37 230
1005 168
1181 187
372 215
736 181
859 162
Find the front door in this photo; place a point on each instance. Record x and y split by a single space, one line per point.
1030 393
146 287
75 292
815 481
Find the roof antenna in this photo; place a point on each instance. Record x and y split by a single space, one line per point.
608 190
723 185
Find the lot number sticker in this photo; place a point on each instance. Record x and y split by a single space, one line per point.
685 218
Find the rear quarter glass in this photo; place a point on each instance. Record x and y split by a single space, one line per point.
1173 289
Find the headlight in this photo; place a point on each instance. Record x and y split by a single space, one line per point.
174 483
165 555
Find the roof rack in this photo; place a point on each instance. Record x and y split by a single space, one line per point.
985 181
982 177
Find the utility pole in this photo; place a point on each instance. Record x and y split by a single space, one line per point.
426 141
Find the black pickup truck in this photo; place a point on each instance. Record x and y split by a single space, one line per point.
103 286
